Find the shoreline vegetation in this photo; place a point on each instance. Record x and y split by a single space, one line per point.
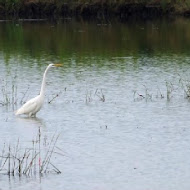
123 9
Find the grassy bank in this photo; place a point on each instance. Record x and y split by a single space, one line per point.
95 8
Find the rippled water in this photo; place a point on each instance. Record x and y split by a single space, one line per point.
122 111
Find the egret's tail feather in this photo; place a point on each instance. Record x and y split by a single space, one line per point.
18 112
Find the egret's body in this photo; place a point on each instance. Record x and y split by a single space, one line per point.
31 107
34 105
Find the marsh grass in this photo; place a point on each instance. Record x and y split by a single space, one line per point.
32 160
9 93
38 8
88 97
169 90
146 95
159 94
185 85
187 90
137 96
98 95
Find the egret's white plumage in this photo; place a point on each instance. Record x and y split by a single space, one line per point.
34 105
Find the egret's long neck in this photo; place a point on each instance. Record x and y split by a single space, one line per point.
42 91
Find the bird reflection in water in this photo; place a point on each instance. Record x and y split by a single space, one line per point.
31 121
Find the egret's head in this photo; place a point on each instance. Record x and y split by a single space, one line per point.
55 65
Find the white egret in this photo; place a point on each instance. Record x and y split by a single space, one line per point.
34 105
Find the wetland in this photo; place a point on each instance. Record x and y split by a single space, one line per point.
120 103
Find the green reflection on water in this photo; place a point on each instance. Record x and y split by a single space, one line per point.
66 39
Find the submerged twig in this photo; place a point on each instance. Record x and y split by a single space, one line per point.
54 97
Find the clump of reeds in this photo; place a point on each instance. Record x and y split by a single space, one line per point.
187 90
185 85
98 93
33 160
159 94
8 93
147 95
88 97
169 90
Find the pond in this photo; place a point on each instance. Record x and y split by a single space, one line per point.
120 103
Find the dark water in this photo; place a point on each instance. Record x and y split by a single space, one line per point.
122 109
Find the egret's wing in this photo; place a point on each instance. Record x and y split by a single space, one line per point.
28 107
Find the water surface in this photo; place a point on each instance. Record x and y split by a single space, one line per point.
121 111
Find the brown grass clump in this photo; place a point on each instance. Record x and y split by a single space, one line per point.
32 160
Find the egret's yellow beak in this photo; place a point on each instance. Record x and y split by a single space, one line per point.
58 65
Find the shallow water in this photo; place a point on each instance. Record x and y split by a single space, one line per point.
122 111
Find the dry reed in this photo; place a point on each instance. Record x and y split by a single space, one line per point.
29 161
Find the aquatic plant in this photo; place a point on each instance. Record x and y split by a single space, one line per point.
100 95
169 90
159 94
137 96
147 95
90 96
8 95
32 160
185 85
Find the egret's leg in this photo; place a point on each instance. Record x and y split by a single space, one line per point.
30 114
